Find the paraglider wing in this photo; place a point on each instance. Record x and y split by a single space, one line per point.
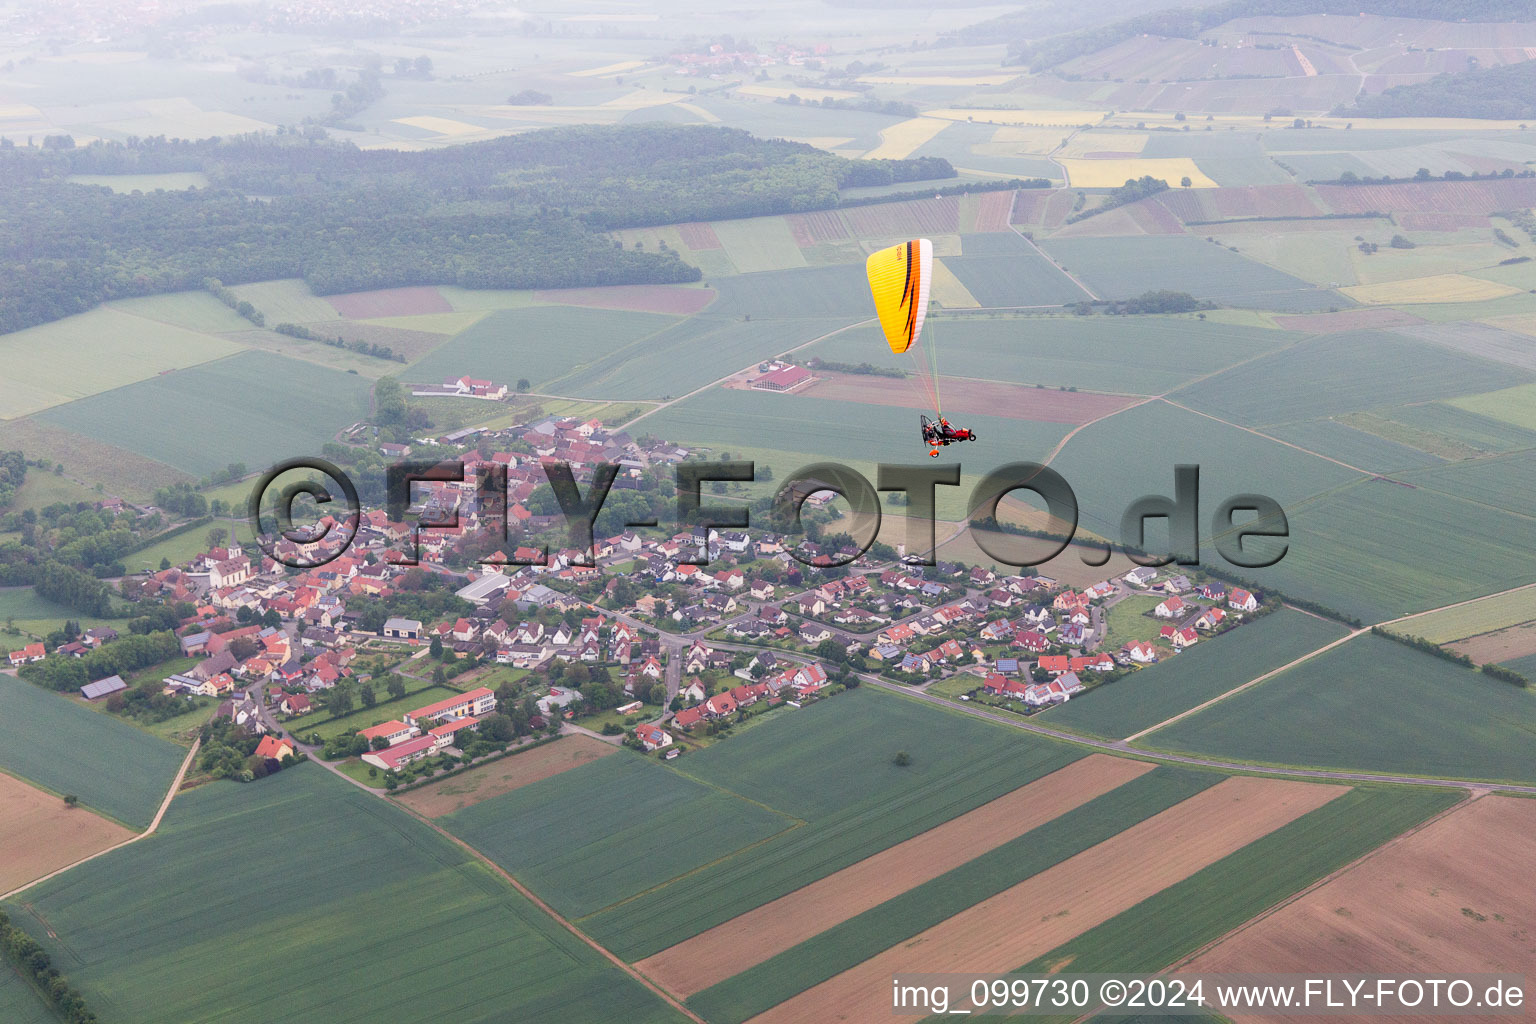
898 279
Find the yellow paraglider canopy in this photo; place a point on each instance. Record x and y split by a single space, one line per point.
898 279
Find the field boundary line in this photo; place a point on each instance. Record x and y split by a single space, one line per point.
1267 437
165 805
1124 749
694 871
1472 794
527 894
1243 686
715 383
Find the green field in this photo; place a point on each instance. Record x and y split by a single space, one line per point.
838 290
196 311
1348 444
119 471
691 354
1379 550
1210 668
1121 268
388 921
1214 900
1461 426
958 763
186 546
35 617
1516 405
386 710
807 429
288 300
838 948
539 343
1002 269
110 765
1506 482
605 830
1134 355
19 1001
1372 705
1111 463
103 349
1342 373
759 243
254 407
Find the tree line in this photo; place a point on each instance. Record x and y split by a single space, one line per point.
37 967
1507 93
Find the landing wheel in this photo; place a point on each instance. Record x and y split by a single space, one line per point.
934 454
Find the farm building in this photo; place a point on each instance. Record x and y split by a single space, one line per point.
481 591
784 379
29 653
403 629
102 687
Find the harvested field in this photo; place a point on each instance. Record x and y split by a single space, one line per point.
1347 320
1442 900
1455 197
1044 207
1501 645
904 138
975 397
698 235
390 302
979 115
504 775
1114 173
814 228
948 291
38 834
1009 929
1436 288
916 216
640 298
727 949
1476 339
992 211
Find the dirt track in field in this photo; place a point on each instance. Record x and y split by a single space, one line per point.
965 397
504 775
1040 913
1452 897
38 834
730 948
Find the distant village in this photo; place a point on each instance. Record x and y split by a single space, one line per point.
636 643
